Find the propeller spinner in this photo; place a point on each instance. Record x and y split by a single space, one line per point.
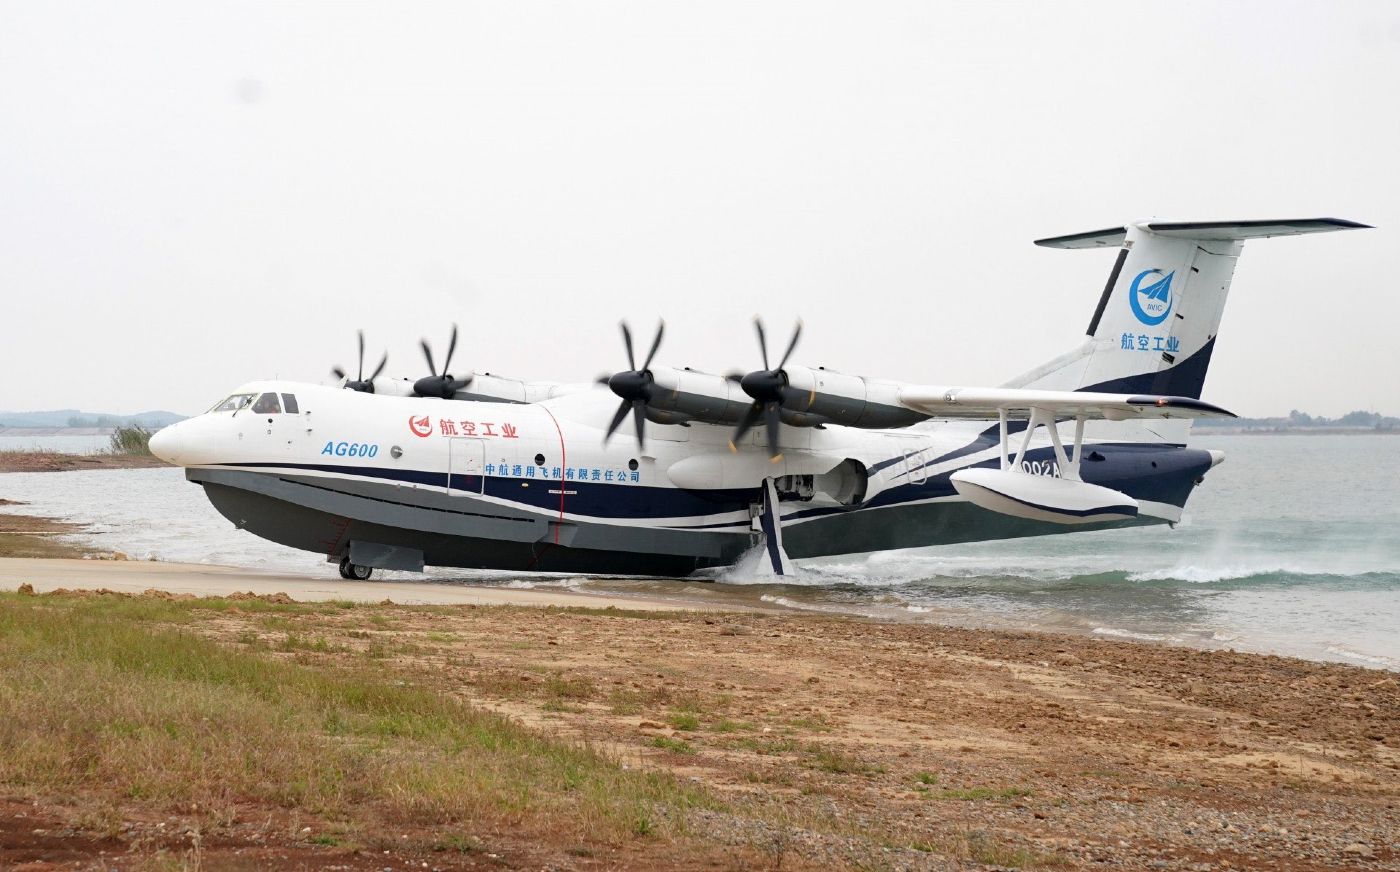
768 387
633 385
443 385
360 383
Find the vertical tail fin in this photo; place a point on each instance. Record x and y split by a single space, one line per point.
1155 325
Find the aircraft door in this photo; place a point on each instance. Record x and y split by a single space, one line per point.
466 465
916 459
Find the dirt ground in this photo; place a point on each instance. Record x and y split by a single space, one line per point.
54 461
848 743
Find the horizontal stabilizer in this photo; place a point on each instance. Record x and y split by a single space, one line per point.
1018 403
1113 237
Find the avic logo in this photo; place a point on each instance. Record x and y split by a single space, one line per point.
420 426
1151 302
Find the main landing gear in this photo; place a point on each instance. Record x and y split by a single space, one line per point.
354 571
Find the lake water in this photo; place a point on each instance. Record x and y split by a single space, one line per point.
1292 546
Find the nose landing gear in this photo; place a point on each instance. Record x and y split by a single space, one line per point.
354 571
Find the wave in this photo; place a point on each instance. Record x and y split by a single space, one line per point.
1275 573
1118 633
1369 659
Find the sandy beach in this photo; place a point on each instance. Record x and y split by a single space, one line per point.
825 742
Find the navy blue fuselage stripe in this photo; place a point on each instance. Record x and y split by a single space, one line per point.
593 499
1127 467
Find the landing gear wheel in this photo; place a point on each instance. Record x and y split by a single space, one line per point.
354 571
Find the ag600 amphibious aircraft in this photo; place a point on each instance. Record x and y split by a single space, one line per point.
481 471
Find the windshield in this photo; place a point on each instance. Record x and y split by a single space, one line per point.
233 403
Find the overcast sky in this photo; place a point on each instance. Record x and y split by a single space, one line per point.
193 195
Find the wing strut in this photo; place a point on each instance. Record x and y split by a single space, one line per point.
1069 463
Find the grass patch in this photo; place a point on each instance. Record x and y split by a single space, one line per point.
196 722
293 642
767 746
926 777
811 723
977 794
675 746
687 721
576 687
626 702
841 763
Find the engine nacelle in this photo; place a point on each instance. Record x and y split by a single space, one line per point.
680 395
813 397
824 396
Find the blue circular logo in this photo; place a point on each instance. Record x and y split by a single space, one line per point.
1151 296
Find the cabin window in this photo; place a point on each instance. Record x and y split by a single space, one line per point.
539 460
267 404
289 404
233 403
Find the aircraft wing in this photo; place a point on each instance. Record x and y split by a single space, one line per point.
982 403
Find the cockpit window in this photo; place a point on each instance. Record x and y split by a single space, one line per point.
233 403
289 403
267 405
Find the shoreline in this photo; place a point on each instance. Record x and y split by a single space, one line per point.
135 577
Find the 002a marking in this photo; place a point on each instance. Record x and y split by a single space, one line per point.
1042 467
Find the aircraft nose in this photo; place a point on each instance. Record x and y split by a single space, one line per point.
165 444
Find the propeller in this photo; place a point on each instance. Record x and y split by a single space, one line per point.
633 385
360 383
768 387
443 385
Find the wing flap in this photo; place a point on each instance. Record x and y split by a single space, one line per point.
984 403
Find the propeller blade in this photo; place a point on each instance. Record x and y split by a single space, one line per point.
452 347
774 421
745 425
338 372
380 368
627 340
796 334
360 376
655 343
428 353
603 379
617 420
762 340
639 417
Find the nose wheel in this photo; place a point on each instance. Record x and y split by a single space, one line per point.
354 571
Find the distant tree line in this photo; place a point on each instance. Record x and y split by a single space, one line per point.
95 421
1357 420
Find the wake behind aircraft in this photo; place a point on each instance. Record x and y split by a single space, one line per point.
785 462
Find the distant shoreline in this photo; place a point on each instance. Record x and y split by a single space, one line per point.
1292 431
